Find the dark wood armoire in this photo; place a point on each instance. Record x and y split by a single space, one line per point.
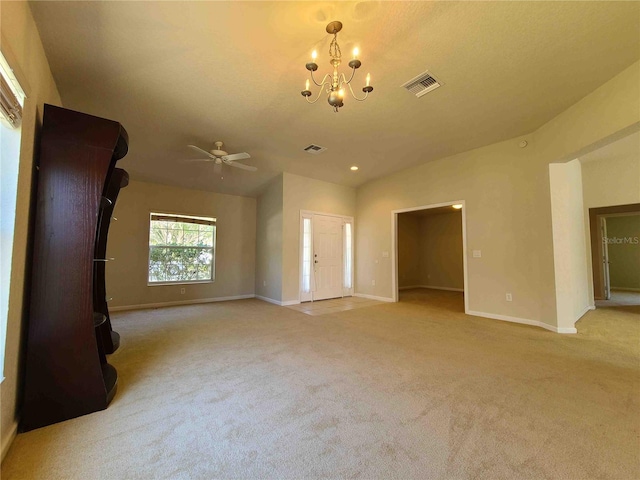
69 330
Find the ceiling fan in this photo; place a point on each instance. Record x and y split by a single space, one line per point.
219 156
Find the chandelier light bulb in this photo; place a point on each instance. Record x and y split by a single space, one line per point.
306 85
314 55
356 52
368 80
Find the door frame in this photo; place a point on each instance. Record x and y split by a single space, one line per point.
596 238
302 297
394 245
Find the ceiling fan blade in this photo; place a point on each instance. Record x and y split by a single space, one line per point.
217 168
241 165
236 156
198 160
198 149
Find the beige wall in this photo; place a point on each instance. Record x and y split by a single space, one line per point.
128 243
278 230
624 251
22 47
441 247
409 252
508 209
269 242
610 182
494 183
302 193
570 250
430 250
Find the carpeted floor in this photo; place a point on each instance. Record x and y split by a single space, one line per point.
246 389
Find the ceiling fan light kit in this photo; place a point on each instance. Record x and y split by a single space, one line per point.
334 84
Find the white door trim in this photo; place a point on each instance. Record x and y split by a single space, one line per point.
394 245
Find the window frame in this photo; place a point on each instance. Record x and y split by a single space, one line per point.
202 218
15 91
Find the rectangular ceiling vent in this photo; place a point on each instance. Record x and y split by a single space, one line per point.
314 149
423 83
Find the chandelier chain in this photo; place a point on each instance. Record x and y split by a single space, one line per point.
334 48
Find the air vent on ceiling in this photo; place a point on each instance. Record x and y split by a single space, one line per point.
314 149
423 83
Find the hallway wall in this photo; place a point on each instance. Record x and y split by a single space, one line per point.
430 250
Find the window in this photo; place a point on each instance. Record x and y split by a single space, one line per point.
348 256
181 248
306 255
11 101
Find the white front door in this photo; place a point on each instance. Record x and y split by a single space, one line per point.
327 256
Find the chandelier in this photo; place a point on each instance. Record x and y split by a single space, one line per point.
334 84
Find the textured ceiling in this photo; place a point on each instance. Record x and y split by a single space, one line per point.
175 73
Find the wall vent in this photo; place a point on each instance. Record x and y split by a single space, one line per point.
423 83
314 149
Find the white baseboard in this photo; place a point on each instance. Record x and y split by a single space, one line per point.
373 297
586 309
449 289
179 302
7 440
286 303
524 321
267 299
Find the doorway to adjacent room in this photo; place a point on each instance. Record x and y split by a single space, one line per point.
429 254
615 254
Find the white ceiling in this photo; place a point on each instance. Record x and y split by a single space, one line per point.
175 73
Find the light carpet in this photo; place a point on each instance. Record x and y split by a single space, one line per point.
417 389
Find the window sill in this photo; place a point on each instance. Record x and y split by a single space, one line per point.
164 284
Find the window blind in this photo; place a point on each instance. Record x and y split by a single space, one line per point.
10 107
155 217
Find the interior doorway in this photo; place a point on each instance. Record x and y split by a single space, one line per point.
615 254
326 256
429 251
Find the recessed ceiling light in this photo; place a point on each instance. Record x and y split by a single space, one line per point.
354 168
457 206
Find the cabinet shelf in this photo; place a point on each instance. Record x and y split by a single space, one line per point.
98 319
105 202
